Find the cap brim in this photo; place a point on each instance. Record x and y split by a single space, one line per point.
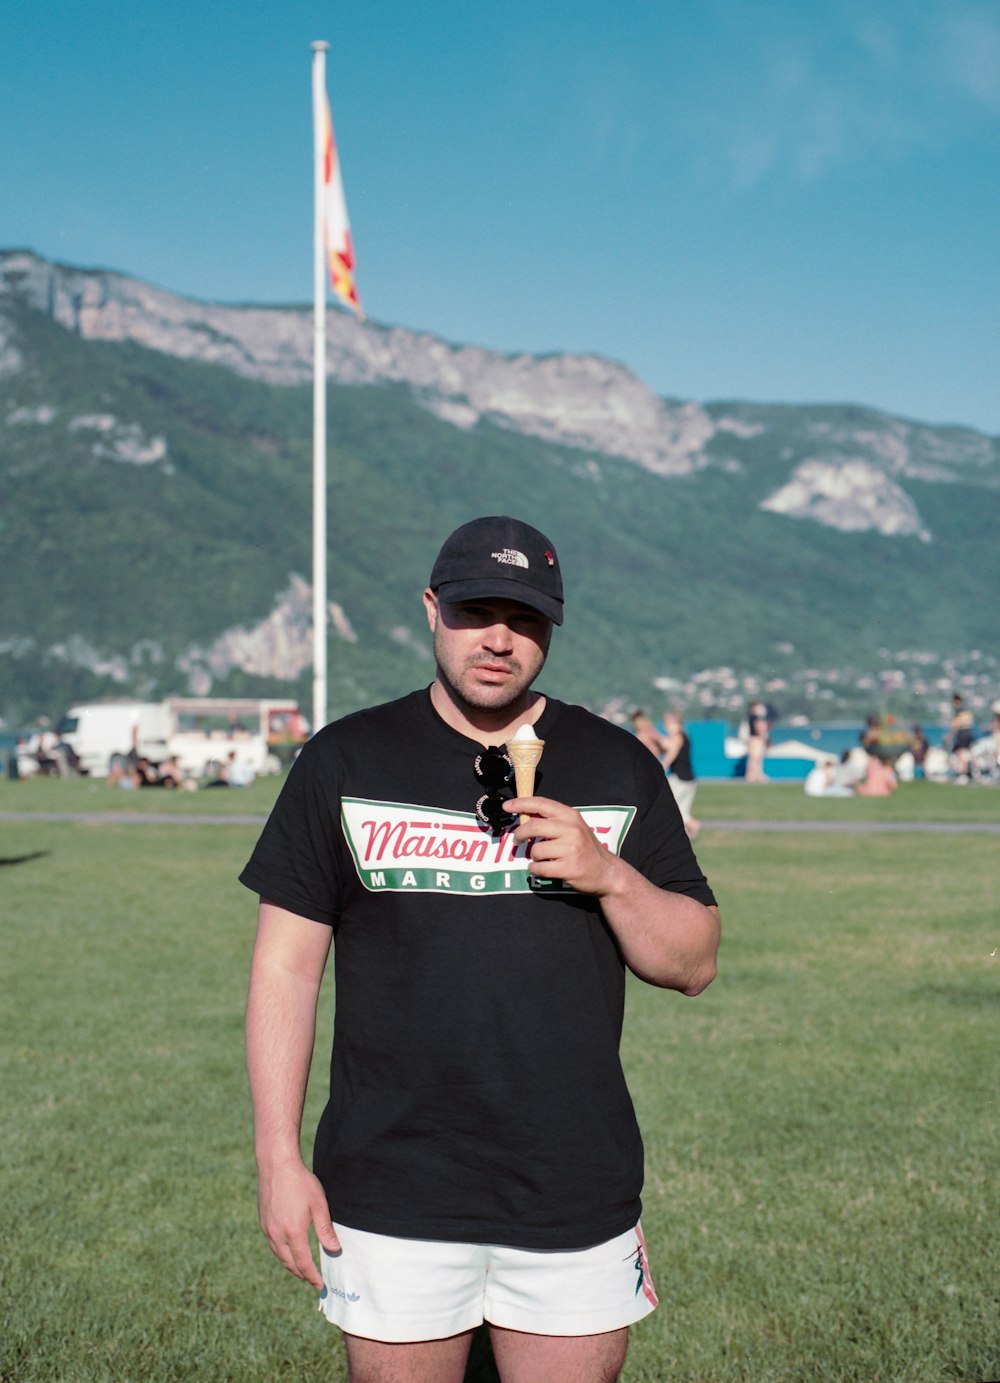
454 592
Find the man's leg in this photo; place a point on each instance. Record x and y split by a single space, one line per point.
426 1361
523 1358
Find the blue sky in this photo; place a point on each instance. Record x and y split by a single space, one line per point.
768 201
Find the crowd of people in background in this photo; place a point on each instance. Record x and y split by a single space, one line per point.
859 773
135 771
886 754
43 754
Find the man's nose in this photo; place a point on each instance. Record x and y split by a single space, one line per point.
498 637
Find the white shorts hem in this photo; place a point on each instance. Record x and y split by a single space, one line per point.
568 1323
399 1331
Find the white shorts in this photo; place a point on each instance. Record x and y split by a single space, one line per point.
684 791
405 1290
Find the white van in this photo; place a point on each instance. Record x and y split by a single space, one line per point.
99 731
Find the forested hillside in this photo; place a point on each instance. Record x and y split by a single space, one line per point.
155 537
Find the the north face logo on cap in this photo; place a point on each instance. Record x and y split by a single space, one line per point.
499 558
510 557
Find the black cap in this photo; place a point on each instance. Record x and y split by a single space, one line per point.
500 557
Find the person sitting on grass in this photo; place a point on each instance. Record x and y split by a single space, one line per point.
880 780
822 781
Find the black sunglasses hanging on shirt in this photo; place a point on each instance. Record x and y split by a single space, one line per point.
494 770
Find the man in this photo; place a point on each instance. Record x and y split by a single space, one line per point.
479 1156
759 735
677 762
963 735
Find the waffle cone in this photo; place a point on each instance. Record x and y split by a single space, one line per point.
524 755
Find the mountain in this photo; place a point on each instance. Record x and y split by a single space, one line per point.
155 491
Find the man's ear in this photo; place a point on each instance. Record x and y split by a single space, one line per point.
431 606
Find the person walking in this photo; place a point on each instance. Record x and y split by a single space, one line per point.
478 1158
758 738
677 762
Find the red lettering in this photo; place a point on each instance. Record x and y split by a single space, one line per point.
382 831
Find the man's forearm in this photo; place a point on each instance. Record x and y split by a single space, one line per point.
667 939
289 959
281 1027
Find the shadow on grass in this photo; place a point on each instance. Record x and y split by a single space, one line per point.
975 993
24 859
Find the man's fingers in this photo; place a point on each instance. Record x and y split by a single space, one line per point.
305 1267
325 1232
535 806
547 820
291 1199
544 818
285 1253
294 1251
296 1255
562 844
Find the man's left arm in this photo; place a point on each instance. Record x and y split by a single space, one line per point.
667 939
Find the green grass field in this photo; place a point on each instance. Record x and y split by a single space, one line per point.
735 801
821 1125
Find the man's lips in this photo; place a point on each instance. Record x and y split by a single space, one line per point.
494 670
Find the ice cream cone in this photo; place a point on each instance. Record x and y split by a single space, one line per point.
524 755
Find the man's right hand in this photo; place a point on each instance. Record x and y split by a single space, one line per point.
289 1200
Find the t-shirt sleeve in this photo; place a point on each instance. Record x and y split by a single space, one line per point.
295 863
666 856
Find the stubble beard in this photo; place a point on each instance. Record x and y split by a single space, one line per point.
469 693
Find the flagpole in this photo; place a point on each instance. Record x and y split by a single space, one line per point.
319 394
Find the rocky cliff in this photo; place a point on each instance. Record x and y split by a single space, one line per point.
848 477
707 535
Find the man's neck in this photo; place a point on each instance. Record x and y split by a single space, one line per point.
486 726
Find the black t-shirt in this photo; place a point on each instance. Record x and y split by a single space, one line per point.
476 1092
681 767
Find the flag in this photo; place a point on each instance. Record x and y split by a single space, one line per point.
337 228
